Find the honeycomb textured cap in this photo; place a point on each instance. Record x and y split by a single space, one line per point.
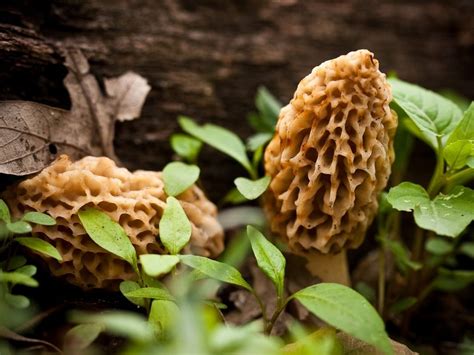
134 200
331 155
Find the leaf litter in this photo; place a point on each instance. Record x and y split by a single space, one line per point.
33 134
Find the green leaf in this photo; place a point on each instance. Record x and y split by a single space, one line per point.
150 292
461 101
41 246
258 140
465 128
19 227
18 278
175 228
126 324
458 153
216 270
467 248
186 146
268 107
4 212
406 196
17 301
178 177
219 138
163 317
81 336
15 262
345 309
39 218
401 254
402 305
109 235
252 189
156 265
433 115
366 290
438 246
234 197
449 214
446 215
269 259
453 280
28 270
129 286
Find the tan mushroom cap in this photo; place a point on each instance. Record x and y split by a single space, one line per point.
331 155
135 200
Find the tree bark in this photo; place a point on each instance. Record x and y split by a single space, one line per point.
206 58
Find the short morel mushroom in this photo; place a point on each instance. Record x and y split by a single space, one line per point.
330 158
135 200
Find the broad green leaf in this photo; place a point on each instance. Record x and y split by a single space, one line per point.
458 153
219 138
453 280
269 259
19 227
156 265
17 301
39 218
406 196
151 292
108 234
15 262
252 189
216 270
28 270
178 177
175 228
18 278
4 212
82 336
461 101
438 246
129 286
186 146
465 128
449 214
467 248
163 317
446 215
121 323
402 305
258 140
434 115
41 246
345 309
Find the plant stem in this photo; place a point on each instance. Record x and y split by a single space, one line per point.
438 179
459 178
381 281
270 324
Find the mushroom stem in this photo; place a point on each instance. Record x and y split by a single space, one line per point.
330 267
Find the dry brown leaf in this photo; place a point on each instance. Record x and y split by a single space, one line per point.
353 346
33 135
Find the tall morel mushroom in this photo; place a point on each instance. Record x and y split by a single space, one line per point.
329 159
135 200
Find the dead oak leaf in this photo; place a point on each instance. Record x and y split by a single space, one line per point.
32 134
